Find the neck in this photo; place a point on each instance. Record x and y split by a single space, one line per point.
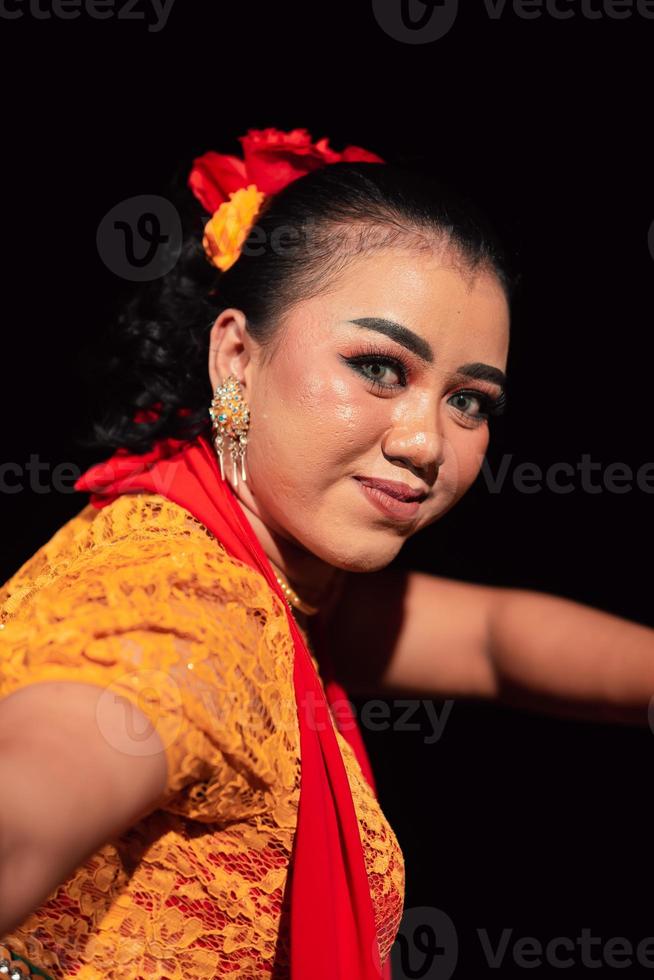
315 581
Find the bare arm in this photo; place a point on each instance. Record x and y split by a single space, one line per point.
396 633
562 657
72 778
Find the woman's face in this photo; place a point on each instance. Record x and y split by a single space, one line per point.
326 410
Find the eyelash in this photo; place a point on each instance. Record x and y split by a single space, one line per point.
491 405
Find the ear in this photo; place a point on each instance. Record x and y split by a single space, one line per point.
230 348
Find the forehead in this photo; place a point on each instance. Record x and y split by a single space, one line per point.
430 294
462 316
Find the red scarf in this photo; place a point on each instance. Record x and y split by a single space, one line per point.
332 926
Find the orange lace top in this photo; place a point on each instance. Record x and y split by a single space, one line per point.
140 599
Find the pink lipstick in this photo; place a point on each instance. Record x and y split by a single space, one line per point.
397 500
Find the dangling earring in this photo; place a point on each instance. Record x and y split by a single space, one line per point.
231 417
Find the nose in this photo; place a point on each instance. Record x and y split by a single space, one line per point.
418 445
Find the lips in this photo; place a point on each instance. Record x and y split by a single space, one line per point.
401 491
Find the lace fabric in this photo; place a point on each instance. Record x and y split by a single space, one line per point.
141 600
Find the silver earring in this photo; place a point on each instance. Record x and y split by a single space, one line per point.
230 417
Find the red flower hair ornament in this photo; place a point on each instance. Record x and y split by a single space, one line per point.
232 190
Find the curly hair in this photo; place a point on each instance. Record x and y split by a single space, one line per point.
155 353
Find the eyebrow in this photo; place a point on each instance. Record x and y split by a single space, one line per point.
418 345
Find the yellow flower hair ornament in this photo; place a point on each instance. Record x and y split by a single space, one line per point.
226 231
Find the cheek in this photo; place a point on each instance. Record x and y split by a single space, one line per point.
328 408
312 422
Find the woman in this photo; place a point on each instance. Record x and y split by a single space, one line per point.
182 805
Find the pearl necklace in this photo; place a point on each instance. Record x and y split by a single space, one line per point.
293 598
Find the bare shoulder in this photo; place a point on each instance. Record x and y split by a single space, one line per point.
400 631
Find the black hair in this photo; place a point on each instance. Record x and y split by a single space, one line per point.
155 352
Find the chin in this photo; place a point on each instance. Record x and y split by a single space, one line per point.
369 556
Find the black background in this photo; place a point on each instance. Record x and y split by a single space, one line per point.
511 820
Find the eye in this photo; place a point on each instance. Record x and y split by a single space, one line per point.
374 366
489 405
